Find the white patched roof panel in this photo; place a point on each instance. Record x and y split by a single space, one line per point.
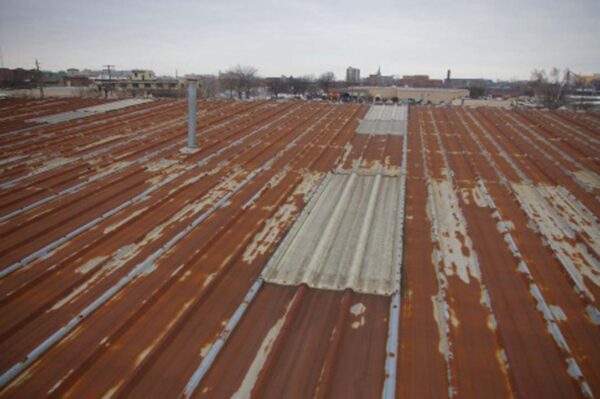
348 237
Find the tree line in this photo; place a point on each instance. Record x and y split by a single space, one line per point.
240 80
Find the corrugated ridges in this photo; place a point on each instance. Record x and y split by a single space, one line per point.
348 239
15 112
384 119
503 332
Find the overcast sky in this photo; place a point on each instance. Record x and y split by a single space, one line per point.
486 38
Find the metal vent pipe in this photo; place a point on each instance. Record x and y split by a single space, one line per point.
192 86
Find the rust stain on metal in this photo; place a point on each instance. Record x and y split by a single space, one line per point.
125 264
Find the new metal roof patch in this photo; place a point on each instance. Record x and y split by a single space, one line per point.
347 238
384 119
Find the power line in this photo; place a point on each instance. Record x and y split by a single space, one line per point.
108 67
109 86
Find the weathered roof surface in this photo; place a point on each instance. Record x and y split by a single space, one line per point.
131 269
15 113
87 111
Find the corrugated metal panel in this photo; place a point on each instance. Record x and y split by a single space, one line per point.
114 105
384 119
85 112
347 238
129 269
14 113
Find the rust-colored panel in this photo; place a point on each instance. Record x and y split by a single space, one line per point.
306 342
499 296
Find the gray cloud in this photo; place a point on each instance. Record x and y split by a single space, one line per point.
474 38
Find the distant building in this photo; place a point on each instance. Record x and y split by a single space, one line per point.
19 78
77 81
145 87
420 81
73 72
380 80
468 83
433 95
143 82
587 79
352 75
142 74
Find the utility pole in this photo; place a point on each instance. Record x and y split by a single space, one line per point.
108 66
177 88
39 78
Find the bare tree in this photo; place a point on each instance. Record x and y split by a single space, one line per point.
241 79
549 89
209 86
326 81
227 83
277 85
300 85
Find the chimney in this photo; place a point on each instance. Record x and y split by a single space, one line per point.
192 86
448 78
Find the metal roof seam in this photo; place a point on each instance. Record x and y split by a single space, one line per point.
391 362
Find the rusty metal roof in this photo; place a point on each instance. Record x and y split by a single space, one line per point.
19 114
292 257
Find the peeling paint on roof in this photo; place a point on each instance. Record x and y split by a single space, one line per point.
131 269
457 252
579 261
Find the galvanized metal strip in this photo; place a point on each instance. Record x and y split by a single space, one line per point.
391 357
216 347
391 360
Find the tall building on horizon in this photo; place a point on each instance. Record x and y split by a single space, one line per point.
352 75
